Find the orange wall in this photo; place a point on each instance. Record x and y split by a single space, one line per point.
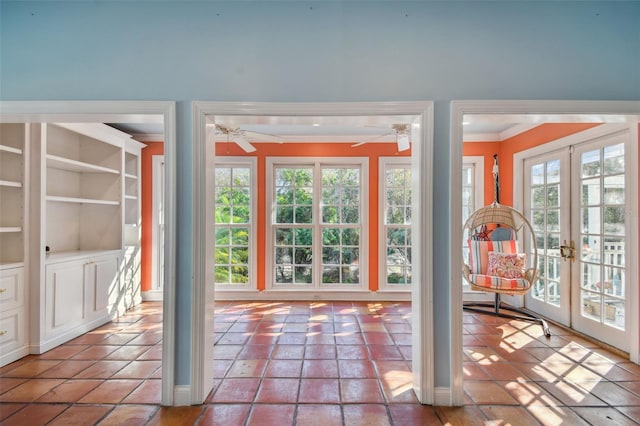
264 150
152 148
486 149
509 147
506 150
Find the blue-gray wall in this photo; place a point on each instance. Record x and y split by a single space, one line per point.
314 52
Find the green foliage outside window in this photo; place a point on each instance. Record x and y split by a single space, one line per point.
232 207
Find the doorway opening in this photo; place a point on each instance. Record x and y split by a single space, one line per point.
159 115
565 118
277 118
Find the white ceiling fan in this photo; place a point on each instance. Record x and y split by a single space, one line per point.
401 130
239 136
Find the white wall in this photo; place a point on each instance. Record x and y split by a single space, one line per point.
314 52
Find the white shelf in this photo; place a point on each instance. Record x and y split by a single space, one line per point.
62 163
131 197
11 183
11 149
65 256
7 229
130 176
11 265
81 200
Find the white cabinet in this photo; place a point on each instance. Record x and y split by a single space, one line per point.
13 321
80 294
64 298
131 293
102 286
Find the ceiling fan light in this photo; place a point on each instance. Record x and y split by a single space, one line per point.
403 141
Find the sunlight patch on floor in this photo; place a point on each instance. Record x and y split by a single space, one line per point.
398 381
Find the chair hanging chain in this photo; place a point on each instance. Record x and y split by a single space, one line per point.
496 180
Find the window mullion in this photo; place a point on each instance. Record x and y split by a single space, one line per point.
317 225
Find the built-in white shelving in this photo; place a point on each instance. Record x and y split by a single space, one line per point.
81 200
12 192
69 232
14 182
62 163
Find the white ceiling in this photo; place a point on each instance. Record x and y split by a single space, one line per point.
362 128
318 129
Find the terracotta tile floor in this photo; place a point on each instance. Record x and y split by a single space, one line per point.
322 364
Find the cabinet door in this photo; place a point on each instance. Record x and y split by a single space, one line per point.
12 333
11 288
101 285
64 296
12 315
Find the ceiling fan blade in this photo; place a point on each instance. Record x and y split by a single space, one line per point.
261 135
362 142
244 144
403 142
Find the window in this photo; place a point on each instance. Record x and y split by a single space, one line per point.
234 216
317 212
472 197
395 219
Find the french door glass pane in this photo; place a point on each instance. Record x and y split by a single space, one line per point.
602 280
546 203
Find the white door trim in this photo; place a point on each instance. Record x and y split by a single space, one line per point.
202 294
113 112
537 111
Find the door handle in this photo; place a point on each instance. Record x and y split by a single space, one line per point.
568 251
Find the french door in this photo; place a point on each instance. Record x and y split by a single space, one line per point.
576 199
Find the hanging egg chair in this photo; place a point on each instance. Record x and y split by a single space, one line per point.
495 263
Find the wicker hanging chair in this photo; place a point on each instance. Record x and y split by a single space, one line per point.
495 264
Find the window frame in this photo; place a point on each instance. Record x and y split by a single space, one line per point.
251 163
316 163
477 162
384 163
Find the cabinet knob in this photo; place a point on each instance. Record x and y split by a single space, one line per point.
3 332
3 290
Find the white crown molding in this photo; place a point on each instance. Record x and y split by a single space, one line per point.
516 130
482 137
148 137
500 136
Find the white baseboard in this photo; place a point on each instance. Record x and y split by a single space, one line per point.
442 396
182 395
152 296
291 295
